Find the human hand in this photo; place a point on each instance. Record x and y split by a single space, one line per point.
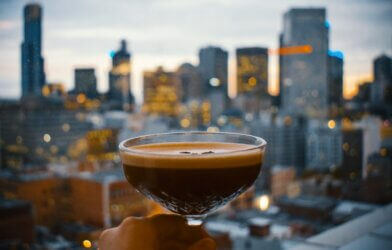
163 231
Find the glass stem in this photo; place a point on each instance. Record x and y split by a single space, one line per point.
194 220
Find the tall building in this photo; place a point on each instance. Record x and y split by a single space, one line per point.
119 94
252 76
191 84
33 75
381 92
304 76
86 82
335 79
213 67
162 92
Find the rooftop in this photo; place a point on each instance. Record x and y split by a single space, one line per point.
308 201
370 231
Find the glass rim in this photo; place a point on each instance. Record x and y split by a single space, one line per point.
258 140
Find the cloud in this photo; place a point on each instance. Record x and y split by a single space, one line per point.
8 25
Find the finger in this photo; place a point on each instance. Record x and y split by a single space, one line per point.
173 245
167 225
106 239
135 233
204 244
191 234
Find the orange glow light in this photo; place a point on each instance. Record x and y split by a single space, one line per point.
292 50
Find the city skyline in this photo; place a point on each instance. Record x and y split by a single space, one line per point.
66 47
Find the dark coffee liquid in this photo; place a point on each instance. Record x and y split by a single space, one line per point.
192 178
192 191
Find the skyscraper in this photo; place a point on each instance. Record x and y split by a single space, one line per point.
381 91
213 70
86 82
119 94
252 76
33 75
304 76
335 79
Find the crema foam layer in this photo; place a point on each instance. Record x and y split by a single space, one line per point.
192 155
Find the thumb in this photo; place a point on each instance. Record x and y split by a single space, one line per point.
203 244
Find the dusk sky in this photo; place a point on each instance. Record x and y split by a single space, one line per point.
79 33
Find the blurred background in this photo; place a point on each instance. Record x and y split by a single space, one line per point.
314 78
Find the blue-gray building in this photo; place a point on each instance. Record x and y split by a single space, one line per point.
304 74
213 67
335 79
33 75
86 82
285 135
381 90
323 146
119 94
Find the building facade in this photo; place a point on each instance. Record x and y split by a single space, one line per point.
32 63
252 77
285 135
161 92
304 75
86 82
37 132
381 92
191 84
323 146
335 81
213 68
119 94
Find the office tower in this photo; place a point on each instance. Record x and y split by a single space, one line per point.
162 92
304 76
381 92
323 145
190 81
86 82
213 67
119 94
33 75
335 80
252 77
